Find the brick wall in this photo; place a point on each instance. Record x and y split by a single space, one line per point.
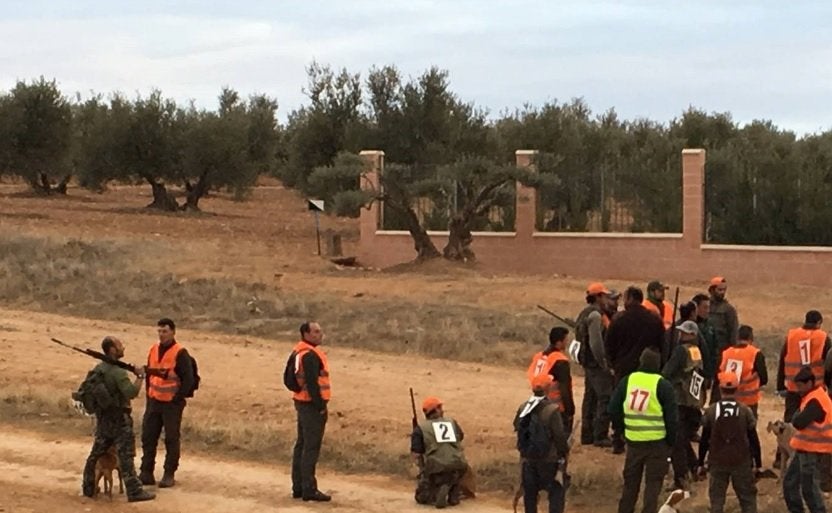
678 256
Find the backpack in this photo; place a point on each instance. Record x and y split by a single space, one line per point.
533 439
93 394
197 379
290 379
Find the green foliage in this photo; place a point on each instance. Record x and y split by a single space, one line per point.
36 129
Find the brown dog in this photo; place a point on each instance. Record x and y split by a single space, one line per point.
784 432
104 467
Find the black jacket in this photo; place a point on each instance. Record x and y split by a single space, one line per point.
630 333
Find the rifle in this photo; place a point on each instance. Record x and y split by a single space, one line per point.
415 422
568 322
118 363
671 337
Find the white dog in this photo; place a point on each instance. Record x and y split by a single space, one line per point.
675 498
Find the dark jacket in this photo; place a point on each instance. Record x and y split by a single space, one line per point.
563 376
550 417
747 423
311 371
723 318
666 396
707 336
630 333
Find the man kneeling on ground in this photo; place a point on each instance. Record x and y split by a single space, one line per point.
436 442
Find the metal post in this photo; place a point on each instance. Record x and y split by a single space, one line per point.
318 232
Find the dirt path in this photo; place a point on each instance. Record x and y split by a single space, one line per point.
40 473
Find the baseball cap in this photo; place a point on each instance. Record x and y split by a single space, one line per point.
431 403
688 327
728 380
717 280
656 285
541 381
593 289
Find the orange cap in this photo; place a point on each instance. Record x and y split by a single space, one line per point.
431 403
596 288
542 381
717 280
728 380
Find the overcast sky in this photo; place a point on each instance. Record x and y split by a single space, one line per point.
770 60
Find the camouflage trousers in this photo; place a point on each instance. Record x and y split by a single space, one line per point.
113 429
428 486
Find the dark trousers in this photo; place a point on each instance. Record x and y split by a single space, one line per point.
311 426
537 476
648 459
683 457
800 483
429 486
595 421
158 416
743 482
113 429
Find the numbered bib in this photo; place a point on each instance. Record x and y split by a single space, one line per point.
638 399
805 347
539 366
574 349
696 382
444 432
734 366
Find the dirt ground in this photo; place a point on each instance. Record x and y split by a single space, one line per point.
271 240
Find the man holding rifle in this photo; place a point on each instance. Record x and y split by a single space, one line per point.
436 443
110 385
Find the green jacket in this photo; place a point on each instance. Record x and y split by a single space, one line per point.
118 383
723 318
710 355
442 440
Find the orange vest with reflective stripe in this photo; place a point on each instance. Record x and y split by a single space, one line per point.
301 348
816 437
740 361
542 364
163 388
666 316
803 347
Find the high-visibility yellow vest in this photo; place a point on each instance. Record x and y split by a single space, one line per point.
643 415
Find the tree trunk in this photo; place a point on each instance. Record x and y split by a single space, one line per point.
425 248
195 192
459 240
162 200
61 187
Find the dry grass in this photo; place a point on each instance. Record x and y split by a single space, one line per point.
115 281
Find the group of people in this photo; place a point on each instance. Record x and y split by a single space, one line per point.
169 378
648 376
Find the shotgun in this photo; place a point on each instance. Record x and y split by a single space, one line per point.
118 363
415 422
568 322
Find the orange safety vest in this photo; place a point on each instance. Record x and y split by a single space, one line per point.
301 348
666 316
803 347
542 364
816 437
163 388
740 361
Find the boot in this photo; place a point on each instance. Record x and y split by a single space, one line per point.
317 496
143 495
442 496
167 480
146 477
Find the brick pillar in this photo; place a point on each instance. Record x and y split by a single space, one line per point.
693 197
370 218
526 200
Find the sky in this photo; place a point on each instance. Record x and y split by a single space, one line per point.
754 59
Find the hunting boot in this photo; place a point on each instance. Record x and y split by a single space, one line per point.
454 495
143 495
317 496
146 477
167 480
442 496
